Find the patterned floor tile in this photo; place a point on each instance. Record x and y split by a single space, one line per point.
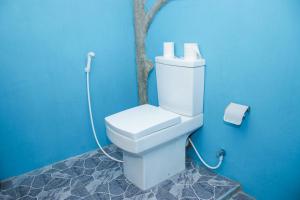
94 176
241 196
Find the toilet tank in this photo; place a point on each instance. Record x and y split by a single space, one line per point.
180 85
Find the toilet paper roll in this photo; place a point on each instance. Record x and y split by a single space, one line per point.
191 51
234 113
169 49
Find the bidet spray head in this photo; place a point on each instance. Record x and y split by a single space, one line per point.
89 61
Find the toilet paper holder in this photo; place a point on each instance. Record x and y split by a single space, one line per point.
235 113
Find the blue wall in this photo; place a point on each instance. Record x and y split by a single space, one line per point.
43 46
252 50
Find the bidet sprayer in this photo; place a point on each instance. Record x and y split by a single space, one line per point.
89 61
87 69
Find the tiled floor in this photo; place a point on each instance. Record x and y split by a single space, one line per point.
93 176
241 196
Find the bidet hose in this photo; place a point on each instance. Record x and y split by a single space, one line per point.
220 155
92 119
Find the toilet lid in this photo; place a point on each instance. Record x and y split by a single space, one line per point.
142 120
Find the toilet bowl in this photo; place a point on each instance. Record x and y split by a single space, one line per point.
153 138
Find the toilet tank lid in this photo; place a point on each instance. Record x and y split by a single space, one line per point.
142 120
180 62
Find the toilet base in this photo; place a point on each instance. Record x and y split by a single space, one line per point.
152 167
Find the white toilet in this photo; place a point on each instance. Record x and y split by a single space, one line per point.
154 138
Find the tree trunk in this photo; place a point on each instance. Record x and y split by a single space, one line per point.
142 21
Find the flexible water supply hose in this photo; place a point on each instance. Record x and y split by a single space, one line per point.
221 155
92 119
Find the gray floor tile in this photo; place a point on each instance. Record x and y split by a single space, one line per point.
93 176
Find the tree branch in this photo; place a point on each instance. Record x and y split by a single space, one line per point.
148 65
142 21
139 10
152 12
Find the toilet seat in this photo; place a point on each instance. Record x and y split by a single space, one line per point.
141 121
